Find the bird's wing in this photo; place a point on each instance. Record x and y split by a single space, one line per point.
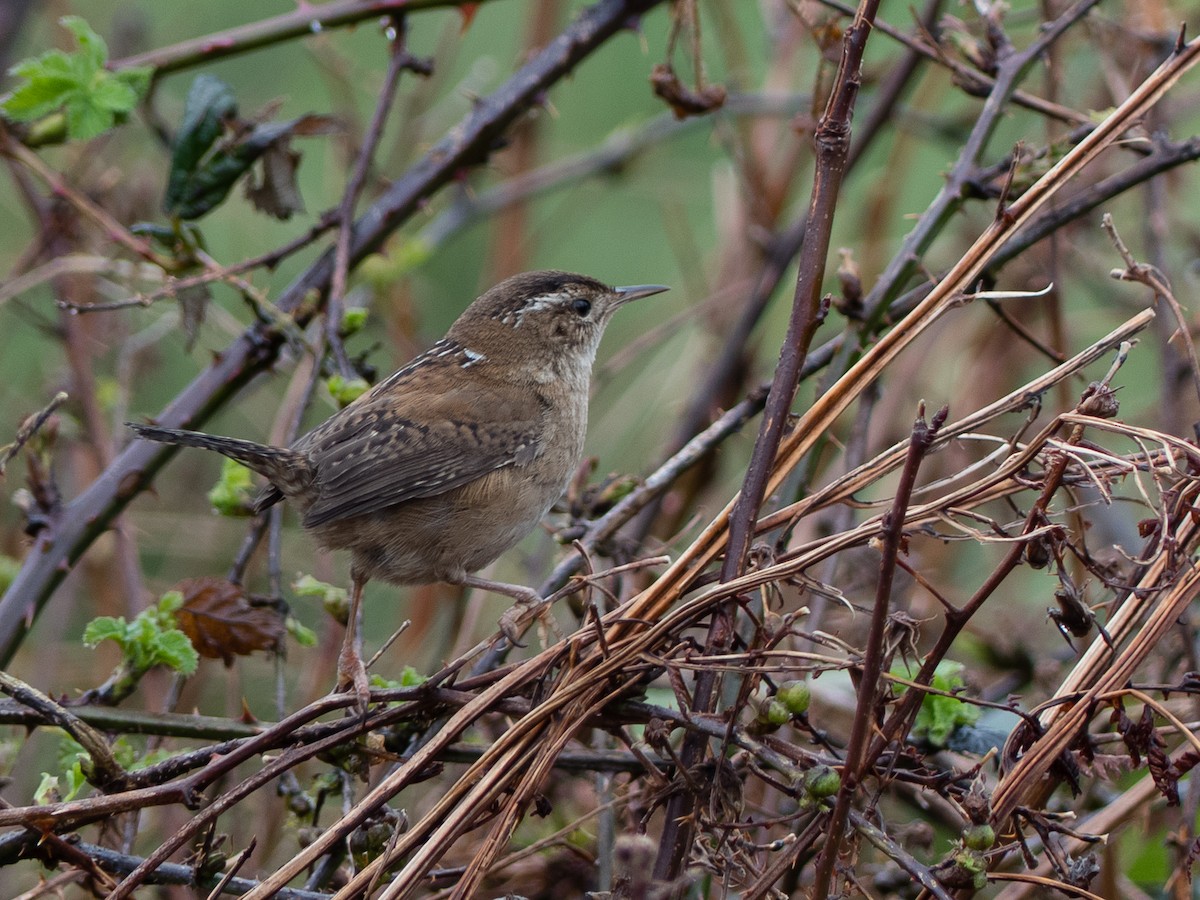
382 450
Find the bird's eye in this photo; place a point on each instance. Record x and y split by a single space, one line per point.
581 306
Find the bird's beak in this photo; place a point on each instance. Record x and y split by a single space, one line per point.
638 291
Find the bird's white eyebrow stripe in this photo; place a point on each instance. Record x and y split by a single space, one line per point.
535 304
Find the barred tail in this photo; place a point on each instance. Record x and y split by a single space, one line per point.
275 463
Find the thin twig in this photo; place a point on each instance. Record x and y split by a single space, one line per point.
399 61
28 429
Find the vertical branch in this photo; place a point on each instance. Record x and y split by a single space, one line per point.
832 140
923 435
400 61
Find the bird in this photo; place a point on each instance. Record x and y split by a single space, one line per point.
447 463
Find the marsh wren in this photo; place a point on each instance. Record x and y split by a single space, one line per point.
450 461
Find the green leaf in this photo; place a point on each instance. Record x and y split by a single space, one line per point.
939 716
233 494
307 586
173 649
105 628
136 78
48 81
86 120
52 66
335 600
204 169
410 677
114 95
301 633
209 103
167 605
92 98
92 49
151 639
353 321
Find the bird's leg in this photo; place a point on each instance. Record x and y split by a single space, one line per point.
351 671
527 599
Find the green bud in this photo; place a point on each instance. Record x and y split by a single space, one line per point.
979 837
795 695
822 781
776 713
345 390
353 321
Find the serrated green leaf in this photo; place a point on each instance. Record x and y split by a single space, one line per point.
114 95
136 78
105 628
91 98
52 65
173 649
203 172
167 605
410 677
939 716
86 120
93 50
37 98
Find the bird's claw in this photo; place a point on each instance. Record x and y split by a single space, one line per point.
510 622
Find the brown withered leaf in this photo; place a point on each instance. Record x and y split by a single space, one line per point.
221 623
1134 734
276 191
685 101
193 306
1193 854
1185 762
1165 779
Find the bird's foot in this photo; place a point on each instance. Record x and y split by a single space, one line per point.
511 622
352 676
528 601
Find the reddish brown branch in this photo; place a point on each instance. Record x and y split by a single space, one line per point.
832 141
870 678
